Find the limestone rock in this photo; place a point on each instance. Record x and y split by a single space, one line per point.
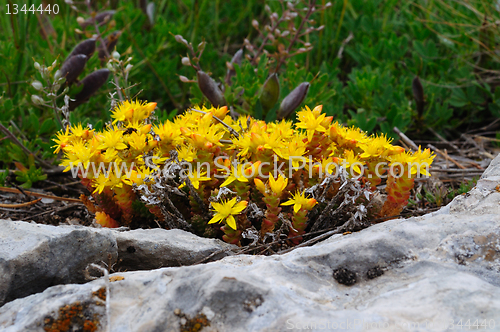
145 249
34 257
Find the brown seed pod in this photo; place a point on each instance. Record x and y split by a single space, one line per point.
90 84
110 41
73 67
210 89
101 18
86 47
293 100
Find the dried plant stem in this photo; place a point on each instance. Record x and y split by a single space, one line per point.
14 139
231 130
296 36
406 139
264 41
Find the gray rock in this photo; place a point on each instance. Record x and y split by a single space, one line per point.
145 249
428 273
34 257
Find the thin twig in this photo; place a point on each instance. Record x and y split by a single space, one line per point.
231 130
445 141
14 139
296 36
445 156
14 206
32 193
405 139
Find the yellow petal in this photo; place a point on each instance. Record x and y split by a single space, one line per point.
215 219
290 202
297 207
239 207
228 181
231 222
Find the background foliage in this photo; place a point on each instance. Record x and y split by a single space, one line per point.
364 62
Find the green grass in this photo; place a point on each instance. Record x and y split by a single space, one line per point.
369 86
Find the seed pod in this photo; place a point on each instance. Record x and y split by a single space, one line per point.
102 17
90 84
73 67
37 85
237 57
110 42
210 89
86 47
36 100
293 100
180 39
270 92
418 94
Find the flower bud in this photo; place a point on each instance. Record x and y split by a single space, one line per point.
115 55
210 89
37 66
37 85
184 79
80 20
185 61
57 75
293 100
36 100
270 92
201 46
128 68
57 87
255 24
54 64
180 39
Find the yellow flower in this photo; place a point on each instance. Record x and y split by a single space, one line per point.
132 111
241 175
78 153
226 210
112 139
350 160
103 181
310 122
299 201
80 132
195 178
422 161
186 153
62 139
277 186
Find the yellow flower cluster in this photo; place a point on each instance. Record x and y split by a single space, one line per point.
113 160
